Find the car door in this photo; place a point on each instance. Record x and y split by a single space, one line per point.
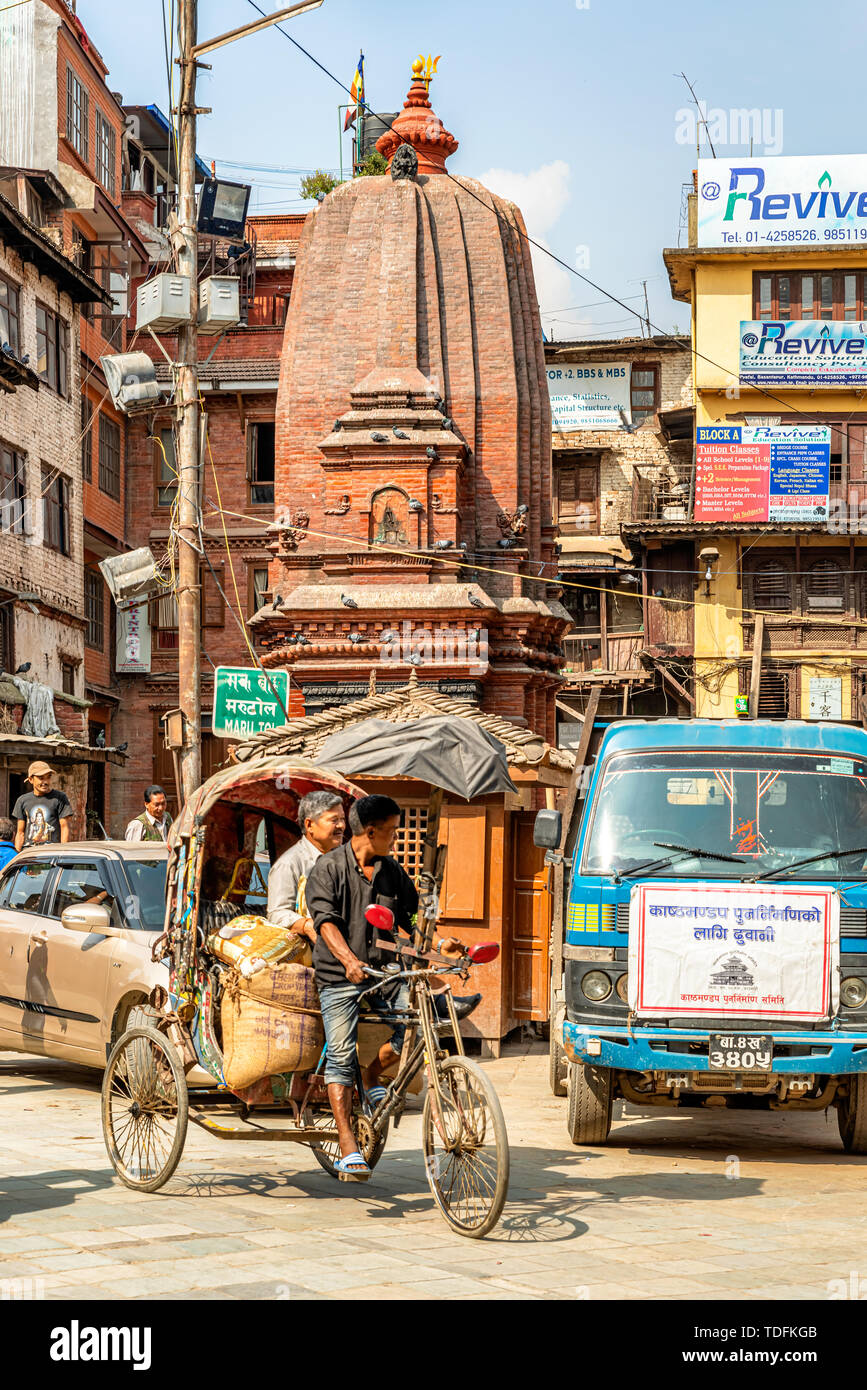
22 892
68 973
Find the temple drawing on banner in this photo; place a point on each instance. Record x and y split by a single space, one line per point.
733 974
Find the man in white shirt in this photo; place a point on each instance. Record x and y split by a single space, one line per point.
323 821
154 821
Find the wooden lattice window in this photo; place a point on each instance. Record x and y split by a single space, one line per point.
409 841
772 587
825 586
778 691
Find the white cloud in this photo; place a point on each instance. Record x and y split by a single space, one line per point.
542 194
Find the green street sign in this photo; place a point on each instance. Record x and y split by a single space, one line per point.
246 701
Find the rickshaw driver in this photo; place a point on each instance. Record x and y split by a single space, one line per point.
323 823
340 887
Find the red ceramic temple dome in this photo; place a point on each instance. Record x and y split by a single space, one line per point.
418 125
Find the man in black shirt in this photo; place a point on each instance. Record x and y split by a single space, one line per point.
340 887
42 816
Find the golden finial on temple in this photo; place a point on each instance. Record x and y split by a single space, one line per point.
425 72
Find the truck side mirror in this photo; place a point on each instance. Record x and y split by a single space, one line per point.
547 829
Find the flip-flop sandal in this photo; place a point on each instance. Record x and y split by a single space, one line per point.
351 1168
375 1094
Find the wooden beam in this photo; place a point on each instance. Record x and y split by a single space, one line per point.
567 709
676 686
862 710
756 672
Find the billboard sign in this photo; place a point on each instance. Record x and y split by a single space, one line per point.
762 472
589 397
247 701
816 200
803 352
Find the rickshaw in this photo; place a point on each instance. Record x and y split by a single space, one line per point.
154 1082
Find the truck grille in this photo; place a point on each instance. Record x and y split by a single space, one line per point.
853 921
621 917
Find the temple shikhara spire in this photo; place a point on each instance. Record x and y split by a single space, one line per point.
413 446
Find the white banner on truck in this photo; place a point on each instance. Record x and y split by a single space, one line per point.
708 950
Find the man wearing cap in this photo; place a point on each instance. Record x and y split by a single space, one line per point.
42 815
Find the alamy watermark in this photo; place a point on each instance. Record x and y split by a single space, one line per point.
759 128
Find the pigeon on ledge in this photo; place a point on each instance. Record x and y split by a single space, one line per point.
347 601
379 438
399 434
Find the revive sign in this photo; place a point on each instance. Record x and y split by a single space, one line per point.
246 701
762 472
803 352
704 950
801 200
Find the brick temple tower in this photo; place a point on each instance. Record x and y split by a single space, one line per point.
413 455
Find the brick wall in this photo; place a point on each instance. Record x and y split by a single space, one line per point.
43 427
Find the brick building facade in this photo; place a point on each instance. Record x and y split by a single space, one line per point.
239 393
603 480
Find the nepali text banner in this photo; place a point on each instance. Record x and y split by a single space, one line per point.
705 950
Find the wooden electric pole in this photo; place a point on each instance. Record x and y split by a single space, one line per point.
187 399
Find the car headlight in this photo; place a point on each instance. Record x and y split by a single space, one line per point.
853 992
596 985
622 988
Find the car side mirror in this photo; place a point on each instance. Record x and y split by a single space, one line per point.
87 918
547 829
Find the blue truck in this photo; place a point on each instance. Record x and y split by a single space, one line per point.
709 944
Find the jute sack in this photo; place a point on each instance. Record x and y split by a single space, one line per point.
252 942
271 1024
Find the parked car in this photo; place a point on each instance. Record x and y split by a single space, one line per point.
77 923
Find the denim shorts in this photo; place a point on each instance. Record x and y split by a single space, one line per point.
340 1014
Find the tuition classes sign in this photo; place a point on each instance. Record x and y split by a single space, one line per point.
803 352
762 472
704 950
248 701
815 200
593 397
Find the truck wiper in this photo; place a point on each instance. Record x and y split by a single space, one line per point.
684 852
800 863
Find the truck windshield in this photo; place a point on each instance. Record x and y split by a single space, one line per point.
768 808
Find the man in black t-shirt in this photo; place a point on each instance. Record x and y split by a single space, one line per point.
41 816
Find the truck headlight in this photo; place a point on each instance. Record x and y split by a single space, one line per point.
596 985
853 992
622 988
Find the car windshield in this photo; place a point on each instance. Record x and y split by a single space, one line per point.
148 880
769 809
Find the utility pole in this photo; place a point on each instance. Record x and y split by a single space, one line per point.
188 458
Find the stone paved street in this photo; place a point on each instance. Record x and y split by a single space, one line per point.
701 1204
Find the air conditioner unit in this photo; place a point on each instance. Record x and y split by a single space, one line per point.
132 381
164 303
130 576
219 303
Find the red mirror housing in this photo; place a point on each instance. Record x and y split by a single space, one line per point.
380 917
483 952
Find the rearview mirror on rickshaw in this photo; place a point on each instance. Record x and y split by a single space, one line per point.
380 917
547 829
483 951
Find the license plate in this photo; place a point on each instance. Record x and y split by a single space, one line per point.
740 1051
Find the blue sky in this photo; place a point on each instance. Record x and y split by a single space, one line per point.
573 109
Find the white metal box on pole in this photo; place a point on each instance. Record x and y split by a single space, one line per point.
164 303
219 303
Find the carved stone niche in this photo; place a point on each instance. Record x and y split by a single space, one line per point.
389 517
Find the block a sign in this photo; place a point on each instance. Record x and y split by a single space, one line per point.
762 472
803 352
247 701
592 397
818 200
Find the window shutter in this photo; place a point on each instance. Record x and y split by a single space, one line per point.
825 586
252 438
774 694
463 890
772 587
856 454
213 608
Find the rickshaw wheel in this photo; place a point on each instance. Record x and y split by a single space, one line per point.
370 1148
466 1148
144 1109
